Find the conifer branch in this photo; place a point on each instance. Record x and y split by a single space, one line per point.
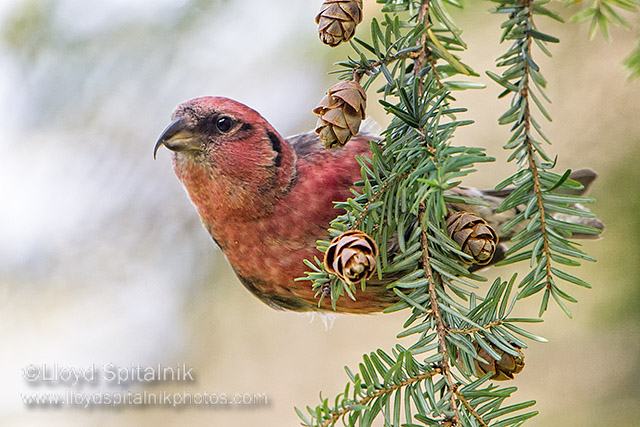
402 202
337 415
541 238
533 167
441 328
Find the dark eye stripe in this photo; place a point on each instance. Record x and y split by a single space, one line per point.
277 147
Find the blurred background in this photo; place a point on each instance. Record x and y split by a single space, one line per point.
103 259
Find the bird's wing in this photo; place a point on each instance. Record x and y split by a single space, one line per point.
493 198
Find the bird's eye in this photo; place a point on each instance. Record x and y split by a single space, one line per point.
224 124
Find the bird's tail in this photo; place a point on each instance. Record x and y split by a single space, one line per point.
493 199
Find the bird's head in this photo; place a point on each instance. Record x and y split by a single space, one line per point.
227 155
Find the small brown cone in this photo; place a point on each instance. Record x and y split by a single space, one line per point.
352 256
475 237
503 369
337 20
340 113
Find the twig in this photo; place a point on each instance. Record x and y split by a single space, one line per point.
472 411
375 197
537 189
344 410
359 71
473 330
441 329
425 54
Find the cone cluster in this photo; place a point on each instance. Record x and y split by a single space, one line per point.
337 20
503 369
475 237
340 113
352 256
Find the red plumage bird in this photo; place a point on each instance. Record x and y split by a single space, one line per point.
266 200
